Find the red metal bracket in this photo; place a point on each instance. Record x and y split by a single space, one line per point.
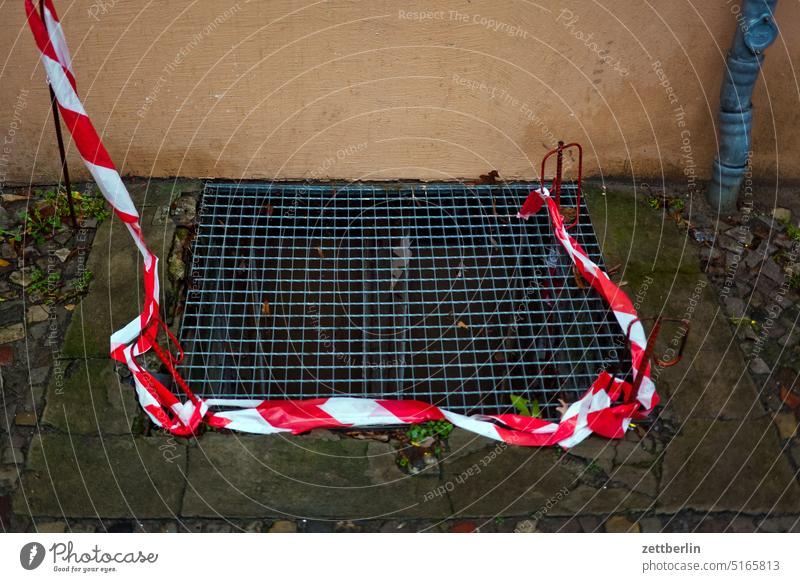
170 361
651 346
559 153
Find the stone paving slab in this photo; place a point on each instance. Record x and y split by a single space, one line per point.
115 477
501 480
90 399
115 296
728 465
709 402
588 500
303 477
663 278
158 193
712 380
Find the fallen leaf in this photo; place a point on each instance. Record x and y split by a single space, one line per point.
790 399
490 178
319 252
568 214
14 197
4 263
404 249
462 325
563 407
464 527
62 254
265 307
494 211
69 307
521 404
370 435
578 277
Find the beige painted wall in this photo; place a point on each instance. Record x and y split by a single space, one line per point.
375 90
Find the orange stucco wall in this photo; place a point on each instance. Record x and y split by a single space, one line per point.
381 89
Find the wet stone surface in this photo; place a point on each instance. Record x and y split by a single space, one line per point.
721 453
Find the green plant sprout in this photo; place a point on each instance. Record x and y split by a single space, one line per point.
45 220
41 283
737 321
677 205
526 407
81 284
792 231
418 433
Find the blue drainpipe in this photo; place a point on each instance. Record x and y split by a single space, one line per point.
755 31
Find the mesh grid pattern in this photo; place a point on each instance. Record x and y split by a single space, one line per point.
433 292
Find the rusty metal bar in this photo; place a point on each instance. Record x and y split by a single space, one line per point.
60 139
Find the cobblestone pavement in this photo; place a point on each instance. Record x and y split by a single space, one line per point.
721 454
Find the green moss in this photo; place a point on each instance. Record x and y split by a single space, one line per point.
642 241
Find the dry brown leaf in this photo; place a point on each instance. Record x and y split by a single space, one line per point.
69 307
462 325
14 197
369 435
568 214
4 263
490 178
563 406
494 212
578 277
320 254
265 307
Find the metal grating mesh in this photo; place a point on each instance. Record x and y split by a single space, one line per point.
433 292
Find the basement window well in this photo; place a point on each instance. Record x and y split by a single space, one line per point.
432 292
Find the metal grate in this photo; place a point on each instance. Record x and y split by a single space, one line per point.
434 292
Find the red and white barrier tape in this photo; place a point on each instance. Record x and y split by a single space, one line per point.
606 409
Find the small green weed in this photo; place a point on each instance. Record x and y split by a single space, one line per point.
81 284
737 321
47 217
418 433
526 407
792 231
44 284
677 205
